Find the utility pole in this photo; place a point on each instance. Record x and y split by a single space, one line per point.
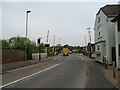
59 46
85 47
54 46
47 41
85 41
59 41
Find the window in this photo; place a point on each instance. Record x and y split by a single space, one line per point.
98 48
99 19
99 33
106 20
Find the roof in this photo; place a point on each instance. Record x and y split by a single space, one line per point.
110 10
116 18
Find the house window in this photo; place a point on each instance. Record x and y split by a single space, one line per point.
106 20
100 32
98 48
118 25
99 19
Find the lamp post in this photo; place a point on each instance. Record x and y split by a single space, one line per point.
27 21
26 32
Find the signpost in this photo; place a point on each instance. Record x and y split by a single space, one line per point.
39 42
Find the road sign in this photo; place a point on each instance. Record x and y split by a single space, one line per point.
47 45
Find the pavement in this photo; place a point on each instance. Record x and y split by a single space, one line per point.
109 72
74 71
14 65
96 77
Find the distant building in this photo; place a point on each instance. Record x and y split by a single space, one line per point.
116 20
90 49
104 33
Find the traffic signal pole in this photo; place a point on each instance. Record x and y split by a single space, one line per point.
39 53
39 42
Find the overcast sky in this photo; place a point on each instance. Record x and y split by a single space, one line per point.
66 20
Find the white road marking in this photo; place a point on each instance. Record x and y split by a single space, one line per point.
28 76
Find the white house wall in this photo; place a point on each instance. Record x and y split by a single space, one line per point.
117 42
107 29
98 40
103 25
111 40
98 56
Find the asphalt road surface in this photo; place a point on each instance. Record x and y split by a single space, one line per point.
73 71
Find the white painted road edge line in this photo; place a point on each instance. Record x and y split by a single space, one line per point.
28 76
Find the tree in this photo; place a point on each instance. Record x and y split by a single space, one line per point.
34 47
13 42
5 44
42 47
19 43
50 51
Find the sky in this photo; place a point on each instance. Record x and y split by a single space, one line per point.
66 20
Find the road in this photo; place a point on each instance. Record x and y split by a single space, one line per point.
74 71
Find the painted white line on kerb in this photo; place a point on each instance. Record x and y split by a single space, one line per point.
28 76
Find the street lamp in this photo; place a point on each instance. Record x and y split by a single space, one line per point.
27 21
26 32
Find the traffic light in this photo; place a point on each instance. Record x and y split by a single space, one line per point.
38 41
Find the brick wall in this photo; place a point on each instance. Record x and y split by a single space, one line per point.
12 56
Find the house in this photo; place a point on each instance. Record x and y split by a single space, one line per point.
104 33
116 20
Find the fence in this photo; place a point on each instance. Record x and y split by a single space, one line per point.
35 56
12 56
